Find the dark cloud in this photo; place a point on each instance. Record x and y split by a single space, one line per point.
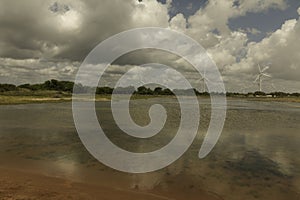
37 28
59 8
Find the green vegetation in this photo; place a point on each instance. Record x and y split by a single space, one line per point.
68 87
57 91
65 86
262 94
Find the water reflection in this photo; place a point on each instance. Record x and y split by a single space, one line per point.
257 156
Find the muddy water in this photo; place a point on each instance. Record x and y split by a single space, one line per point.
257 156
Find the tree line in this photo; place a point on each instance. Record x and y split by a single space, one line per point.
68 87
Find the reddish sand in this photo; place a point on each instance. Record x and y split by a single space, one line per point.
27 179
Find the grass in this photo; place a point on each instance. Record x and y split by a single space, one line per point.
7 100
25 97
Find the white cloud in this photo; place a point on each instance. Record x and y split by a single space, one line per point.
216 14
20 71
235 57
261 5
252 31
229 48
280 50
178 23
150 13
69 30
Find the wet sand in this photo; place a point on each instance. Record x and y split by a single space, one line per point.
16 184
27 179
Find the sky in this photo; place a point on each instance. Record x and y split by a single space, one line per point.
41 40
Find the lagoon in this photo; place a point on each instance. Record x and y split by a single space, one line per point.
256 157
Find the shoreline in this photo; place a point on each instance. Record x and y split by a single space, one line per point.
15 100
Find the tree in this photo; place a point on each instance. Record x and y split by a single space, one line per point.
7 87
104 90
259 93
158 91
167 91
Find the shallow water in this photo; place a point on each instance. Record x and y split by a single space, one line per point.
257 156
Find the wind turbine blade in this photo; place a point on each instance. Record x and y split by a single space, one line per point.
203 78
257 77
204 73
264 69
259 69
206 79
267 75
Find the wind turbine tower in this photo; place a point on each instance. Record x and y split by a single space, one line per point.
204 80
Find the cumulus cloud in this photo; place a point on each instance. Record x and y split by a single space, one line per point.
229 48
70 29
216 14
178 23
280 50
35 70
48 39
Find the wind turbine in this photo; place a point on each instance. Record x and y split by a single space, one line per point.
204 79
260 75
